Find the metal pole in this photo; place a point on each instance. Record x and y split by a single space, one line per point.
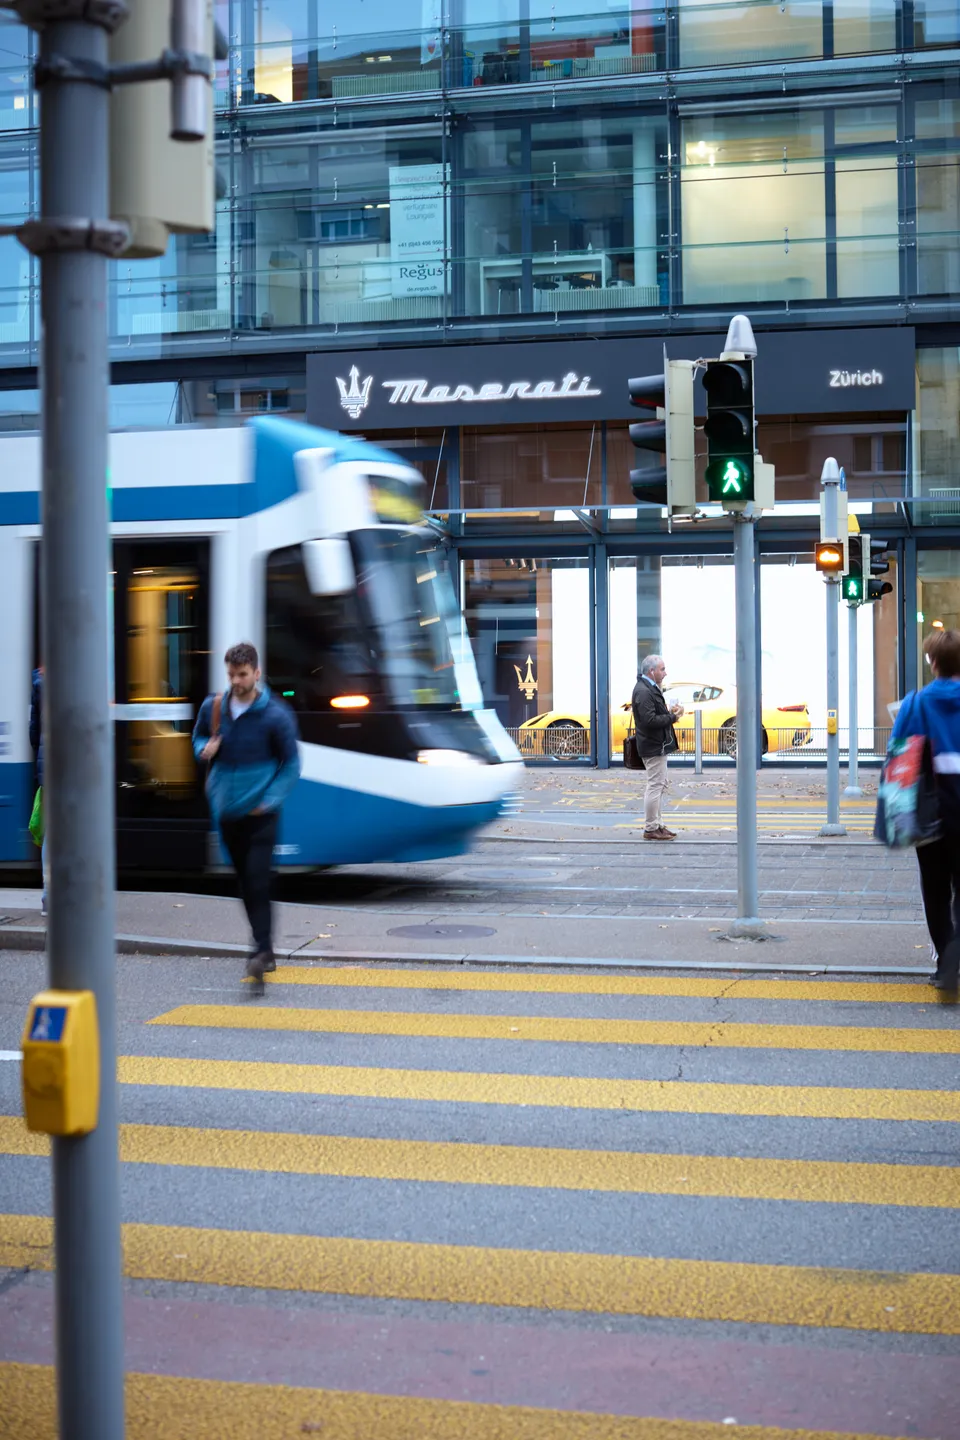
830 479
744 561
73 240
853 790
698 742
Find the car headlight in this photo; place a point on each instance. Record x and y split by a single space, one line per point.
448 758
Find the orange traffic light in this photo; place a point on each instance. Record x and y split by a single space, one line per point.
829 557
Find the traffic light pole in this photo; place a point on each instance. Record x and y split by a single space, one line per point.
748 922
830 479
74 240
853 790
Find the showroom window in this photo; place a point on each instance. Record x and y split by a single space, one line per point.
529 625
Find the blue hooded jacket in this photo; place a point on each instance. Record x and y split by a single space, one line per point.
258 762
935 712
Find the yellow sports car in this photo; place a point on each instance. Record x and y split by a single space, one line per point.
565 735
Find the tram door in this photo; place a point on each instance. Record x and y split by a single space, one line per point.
161 665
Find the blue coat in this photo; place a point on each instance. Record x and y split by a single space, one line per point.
258 762
935 712
36 721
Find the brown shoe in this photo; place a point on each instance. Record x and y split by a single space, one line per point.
666 834
657 835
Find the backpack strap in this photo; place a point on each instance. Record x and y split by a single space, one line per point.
217 712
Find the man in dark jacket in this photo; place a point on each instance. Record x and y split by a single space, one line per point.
653 721
249 740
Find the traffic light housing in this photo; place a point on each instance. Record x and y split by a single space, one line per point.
729 428
829 557
876 562
159 186
669 397
853 583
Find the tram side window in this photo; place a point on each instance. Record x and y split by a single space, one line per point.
316 645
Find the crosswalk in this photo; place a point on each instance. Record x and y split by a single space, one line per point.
392 1202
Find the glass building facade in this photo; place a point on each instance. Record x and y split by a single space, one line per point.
509 178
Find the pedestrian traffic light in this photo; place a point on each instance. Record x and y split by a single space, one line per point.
671 435
729 428
853 587
829 557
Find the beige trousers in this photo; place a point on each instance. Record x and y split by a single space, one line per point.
657 787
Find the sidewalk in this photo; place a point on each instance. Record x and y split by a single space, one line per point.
451 933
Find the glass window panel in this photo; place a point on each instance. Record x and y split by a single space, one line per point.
16 82
16 266
529 624
863 26
938 437
350 229
714 32
938 224
868 257
936 22
792 617
752 197
872 452
865 125
938 119
597 211
540 467
938 600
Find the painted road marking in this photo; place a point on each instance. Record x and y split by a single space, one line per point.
897 1302
527 1167
675 1097
365 977
11 1055
706 1034
163 1404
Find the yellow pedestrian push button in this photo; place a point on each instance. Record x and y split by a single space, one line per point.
831 722
61 1063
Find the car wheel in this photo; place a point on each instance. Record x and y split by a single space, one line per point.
764 742
727 740
564 739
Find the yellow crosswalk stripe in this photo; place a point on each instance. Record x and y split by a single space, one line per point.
596 983
676 1097
708 1034
528 1167
184 1409
892 1302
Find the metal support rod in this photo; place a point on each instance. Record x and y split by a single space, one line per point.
698 742
853 790
745 561
830 480
78 736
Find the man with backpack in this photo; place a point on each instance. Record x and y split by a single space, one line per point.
248 739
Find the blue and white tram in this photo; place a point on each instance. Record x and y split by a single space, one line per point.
312 545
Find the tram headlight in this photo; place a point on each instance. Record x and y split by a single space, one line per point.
448 758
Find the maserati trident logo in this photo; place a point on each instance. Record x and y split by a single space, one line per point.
355 399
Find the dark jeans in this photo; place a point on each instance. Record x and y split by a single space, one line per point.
940 886
250 841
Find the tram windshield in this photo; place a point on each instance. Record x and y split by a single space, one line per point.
401 585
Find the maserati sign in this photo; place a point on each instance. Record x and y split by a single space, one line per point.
798 372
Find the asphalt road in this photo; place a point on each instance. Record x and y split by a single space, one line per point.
465 1202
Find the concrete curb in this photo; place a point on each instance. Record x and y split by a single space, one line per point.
33 938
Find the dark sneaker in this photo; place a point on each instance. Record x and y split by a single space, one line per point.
667 834
269 963
948 968
256 966
657 835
